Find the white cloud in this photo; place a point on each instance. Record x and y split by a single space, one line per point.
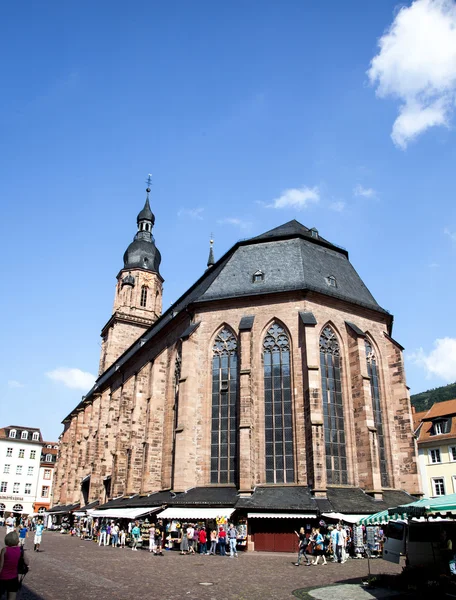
298 198
72 378
441 361
450 234
235 222
12 383
193 213
417 64
360 190
337 206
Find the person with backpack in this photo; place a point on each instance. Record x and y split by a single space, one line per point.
302 549
11 557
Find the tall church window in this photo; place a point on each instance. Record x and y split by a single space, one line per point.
333 410
224 408
143 301
372 371
176 380
278 406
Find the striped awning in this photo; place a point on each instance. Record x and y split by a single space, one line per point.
381 518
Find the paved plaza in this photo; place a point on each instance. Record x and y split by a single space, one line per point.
70 569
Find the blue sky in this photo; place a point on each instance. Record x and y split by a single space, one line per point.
248 114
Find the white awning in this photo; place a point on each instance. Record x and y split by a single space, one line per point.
195 513
79 513
348 518
258 515
123 513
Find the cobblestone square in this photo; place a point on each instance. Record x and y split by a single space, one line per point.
70 569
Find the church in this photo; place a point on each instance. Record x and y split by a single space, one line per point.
272 386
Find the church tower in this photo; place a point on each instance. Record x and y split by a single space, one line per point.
138 297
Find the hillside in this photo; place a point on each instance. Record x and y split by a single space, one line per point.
424 400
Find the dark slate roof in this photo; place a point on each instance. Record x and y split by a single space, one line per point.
64 508
146 214
155 499
291 228
397 498
190 329
279 498
355 328
308 318
90 505
246 323
204 496
355 501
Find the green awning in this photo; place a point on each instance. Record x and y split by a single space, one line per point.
381 518
428 506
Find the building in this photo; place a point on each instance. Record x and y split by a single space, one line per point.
274 379
436 436
49 453
20 456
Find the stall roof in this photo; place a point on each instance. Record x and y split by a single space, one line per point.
123 513
60 510
283 498
277 515
342 517
204 496
196 513
428 506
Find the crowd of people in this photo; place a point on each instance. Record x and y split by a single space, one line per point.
315 545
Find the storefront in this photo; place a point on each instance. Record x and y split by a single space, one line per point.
275 532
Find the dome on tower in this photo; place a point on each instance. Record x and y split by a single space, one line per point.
142 252
146 214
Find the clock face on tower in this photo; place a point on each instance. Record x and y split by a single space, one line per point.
148 280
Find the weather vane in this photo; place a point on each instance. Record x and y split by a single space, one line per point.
149 181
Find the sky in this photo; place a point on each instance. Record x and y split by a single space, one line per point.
247 115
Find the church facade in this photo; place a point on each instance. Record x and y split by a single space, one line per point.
275 372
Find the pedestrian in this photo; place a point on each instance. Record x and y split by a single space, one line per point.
115 535
135 536
340 540
232 536
10 524
159 531
23 533
102 540
123 537
213 548
222 541
108 534
184 540
195 539
202 537
152 538
319 547
190 532
38 536
10 556
302 549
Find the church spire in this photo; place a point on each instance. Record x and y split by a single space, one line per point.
210 260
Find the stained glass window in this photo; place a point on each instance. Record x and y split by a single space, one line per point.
372 371
278 407
333 409
224 408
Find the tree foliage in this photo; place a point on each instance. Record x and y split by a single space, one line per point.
424 400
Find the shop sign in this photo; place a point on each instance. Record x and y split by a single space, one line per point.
14 498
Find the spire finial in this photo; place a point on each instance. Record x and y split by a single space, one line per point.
210 260
149 183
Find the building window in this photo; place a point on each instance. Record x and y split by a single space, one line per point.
9 452
6 469
30 471
12 433
452 452
441 426
19 470
434 456
49 446
143 296
28 488
35 436
45 491
18 508
372 371
16 488
333 409
21 452
314 233
258 276
24 435
224 408
47 473
3 486
278 419
331 281
48 457
438 486
32 454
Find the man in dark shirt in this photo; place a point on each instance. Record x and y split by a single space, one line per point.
159 531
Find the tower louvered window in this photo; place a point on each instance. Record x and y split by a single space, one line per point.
278 407
333 410
224 408
143 301
372 371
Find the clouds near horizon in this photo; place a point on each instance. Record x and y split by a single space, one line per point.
298 198
72 378
416 64
440 361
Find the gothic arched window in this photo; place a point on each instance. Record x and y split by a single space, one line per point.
278 420
372 371
333 409
224 408
143 301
